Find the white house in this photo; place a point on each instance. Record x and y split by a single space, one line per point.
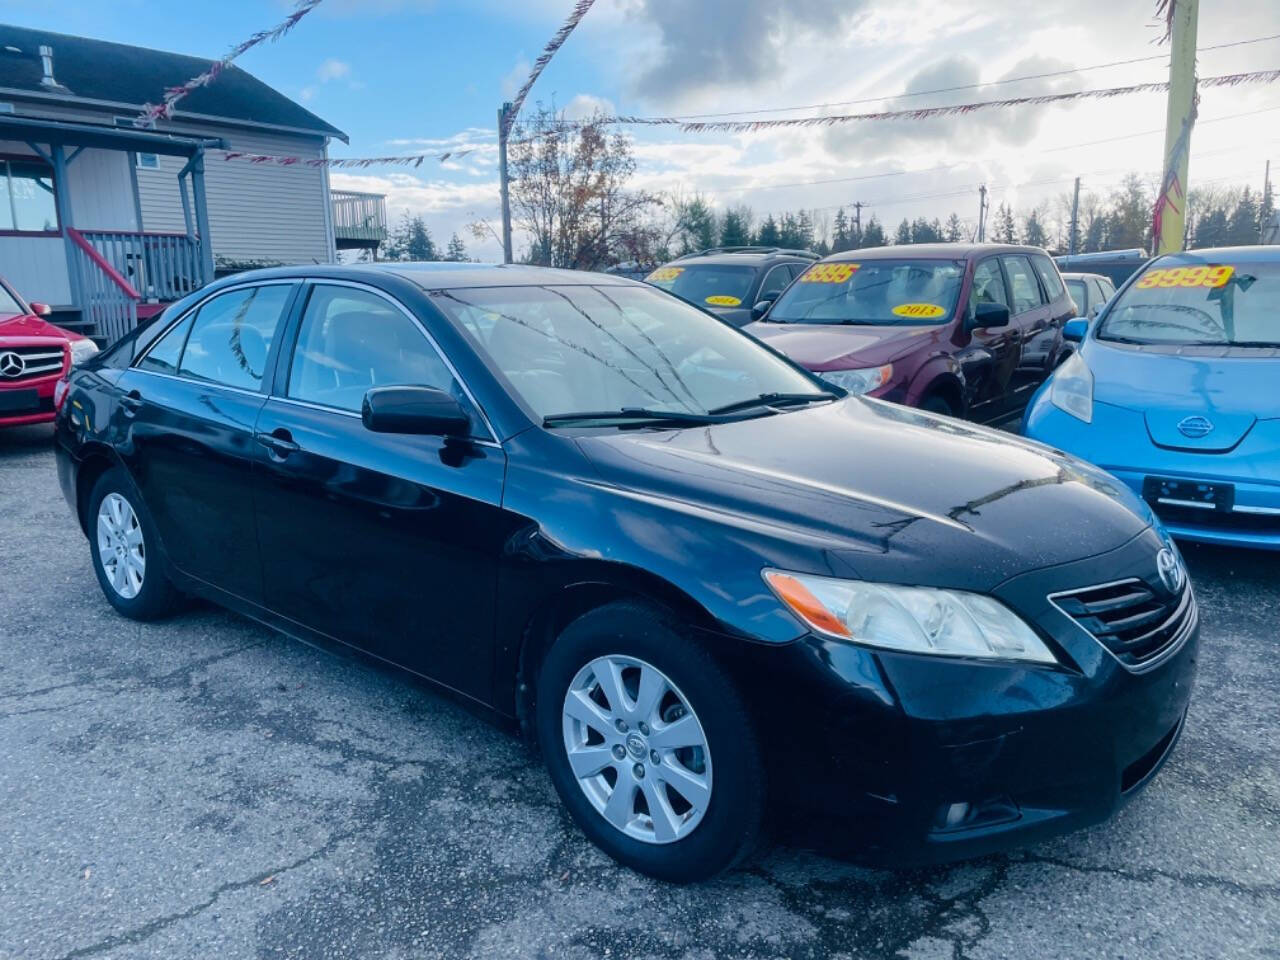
104 220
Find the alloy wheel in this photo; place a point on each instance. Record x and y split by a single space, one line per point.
121 549
637 749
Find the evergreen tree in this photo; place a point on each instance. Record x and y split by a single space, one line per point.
1006 229
700 230
954 231
903 235
769 235
1033 233
1242 229
922 231
872 234
735 228
1129 223
840 239
804 230
789 232
457 250
1212 228
411 241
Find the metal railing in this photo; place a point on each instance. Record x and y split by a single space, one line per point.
107 299
160 266
359 216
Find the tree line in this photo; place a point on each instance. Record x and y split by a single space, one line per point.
572 195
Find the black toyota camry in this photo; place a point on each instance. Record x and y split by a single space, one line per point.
717 592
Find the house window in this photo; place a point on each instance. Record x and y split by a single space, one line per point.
148 161
26 197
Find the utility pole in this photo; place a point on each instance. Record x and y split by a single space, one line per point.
1266 192
857 220
982 214
1171 205
503 113
1073 243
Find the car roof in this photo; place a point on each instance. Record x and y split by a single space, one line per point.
1085 276
932 251
439 275
749 255
1252 254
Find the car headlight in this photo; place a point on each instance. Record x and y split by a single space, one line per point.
950 623
859 381
1072 388
82 350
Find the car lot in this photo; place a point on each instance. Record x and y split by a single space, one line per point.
203 787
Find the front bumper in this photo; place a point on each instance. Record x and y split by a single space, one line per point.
1118 441
901 759
35 404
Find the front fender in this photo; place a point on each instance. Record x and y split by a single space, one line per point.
941 371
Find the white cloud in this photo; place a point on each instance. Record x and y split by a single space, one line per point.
333 69
515 79
584 106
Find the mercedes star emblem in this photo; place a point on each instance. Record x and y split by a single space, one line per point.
11 365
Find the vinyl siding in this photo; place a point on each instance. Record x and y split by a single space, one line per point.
37 268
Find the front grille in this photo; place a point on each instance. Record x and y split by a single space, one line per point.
35 362
1240 520
1133 621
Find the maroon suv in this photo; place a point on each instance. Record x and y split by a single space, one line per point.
962 329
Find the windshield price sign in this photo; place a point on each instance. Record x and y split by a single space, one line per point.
664 274
830 273
1186 277
922 311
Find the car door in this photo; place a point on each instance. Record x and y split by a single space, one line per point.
183 425
988 361
386 542
1033 316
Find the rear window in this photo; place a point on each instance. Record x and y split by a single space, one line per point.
1200 303
706 284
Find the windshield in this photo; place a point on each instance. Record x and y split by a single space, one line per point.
706 284
9 303
572 349
874 293
1206 303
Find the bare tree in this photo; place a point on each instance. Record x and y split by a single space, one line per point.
569 192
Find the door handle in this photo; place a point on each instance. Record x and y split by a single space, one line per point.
131 403
279 442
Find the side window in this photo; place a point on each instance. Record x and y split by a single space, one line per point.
777 280
1023 284
795 269
232 336
1048 276
164 356
1105 290
351 340
988 284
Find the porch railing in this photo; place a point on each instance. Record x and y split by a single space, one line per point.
107 299
359 217
160 266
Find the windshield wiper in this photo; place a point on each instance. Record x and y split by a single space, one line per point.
631 415
773 400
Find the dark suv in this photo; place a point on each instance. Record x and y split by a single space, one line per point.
962 329
736 283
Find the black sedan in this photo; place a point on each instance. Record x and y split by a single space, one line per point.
715 591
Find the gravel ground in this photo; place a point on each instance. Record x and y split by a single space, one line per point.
205 788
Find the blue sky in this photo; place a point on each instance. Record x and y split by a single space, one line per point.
404 75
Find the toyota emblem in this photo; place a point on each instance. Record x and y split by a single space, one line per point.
1169 567
11 365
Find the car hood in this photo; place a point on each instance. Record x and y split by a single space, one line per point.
894 494
28 326
738 316
821 346
1181 394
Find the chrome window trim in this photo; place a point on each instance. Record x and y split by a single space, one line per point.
203 383
196 306
421 328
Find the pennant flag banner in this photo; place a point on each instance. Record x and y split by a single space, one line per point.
341 163
557 41
152 112
923 113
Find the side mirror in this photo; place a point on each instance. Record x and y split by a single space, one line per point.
1075 329
40 309
989 315
762 306
414 410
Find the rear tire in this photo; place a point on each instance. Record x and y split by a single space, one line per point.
126 558
679 740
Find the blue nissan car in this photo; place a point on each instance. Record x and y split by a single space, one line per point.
1174 391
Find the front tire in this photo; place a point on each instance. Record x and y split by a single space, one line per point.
649 745
126 558
937 403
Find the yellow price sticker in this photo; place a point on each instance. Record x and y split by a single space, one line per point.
919 311
1210 277
724 301
830 272
664 274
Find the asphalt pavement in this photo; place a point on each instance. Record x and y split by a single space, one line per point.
205 788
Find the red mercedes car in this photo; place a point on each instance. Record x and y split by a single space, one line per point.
34 356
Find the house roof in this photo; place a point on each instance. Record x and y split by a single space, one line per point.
115 73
